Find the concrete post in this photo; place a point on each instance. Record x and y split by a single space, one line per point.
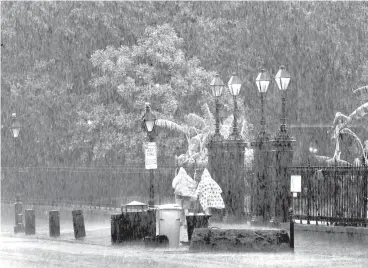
216 155
262 185
226 166
234 190
30 220
282 157
54 223
78 224
215 159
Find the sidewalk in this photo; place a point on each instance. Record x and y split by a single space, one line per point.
99 235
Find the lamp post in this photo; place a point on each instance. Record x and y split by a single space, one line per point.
313 149
234 88
18 207
148 124
217 86
262 81
283 148
15 126
215 146
264 184
282 80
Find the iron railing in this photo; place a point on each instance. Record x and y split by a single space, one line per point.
332 195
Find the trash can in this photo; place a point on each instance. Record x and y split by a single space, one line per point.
196 221
115 228
169 223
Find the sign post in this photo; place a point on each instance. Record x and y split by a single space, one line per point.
295 188
295 184
151 155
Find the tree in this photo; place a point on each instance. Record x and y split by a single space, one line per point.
341 126
199 130
321 44
156 71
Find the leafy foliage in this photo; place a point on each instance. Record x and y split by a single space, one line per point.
64 63
156 71
341 126
202 130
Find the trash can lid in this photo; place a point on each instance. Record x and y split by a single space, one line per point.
170 207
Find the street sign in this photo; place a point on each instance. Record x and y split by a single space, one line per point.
151 155
296 183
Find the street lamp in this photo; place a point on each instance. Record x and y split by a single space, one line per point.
262 81
283 144
282 79
313 149
148 124
217 86
15 126
234 88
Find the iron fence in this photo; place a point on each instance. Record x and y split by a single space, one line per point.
332 195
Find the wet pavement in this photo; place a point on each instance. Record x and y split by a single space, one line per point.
96 250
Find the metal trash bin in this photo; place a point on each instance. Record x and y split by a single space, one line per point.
196 221
169 223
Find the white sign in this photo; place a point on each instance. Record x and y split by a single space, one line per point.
151 155
296 183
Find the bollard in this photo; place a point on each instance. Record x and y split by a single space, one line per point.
18 208
19 226
78 224
54 223
30 220
18 215
291 229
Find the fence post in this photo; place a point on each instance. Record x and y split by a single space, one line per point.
291 229
309 195
365 195
30 221
335 192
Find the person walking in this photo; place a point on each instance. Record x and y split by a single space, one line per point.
184 190
209 193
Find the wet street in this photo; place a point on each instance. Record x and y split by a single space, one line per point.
21 251
96 250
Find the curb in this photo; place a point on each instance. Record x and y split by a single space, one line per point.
327 229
